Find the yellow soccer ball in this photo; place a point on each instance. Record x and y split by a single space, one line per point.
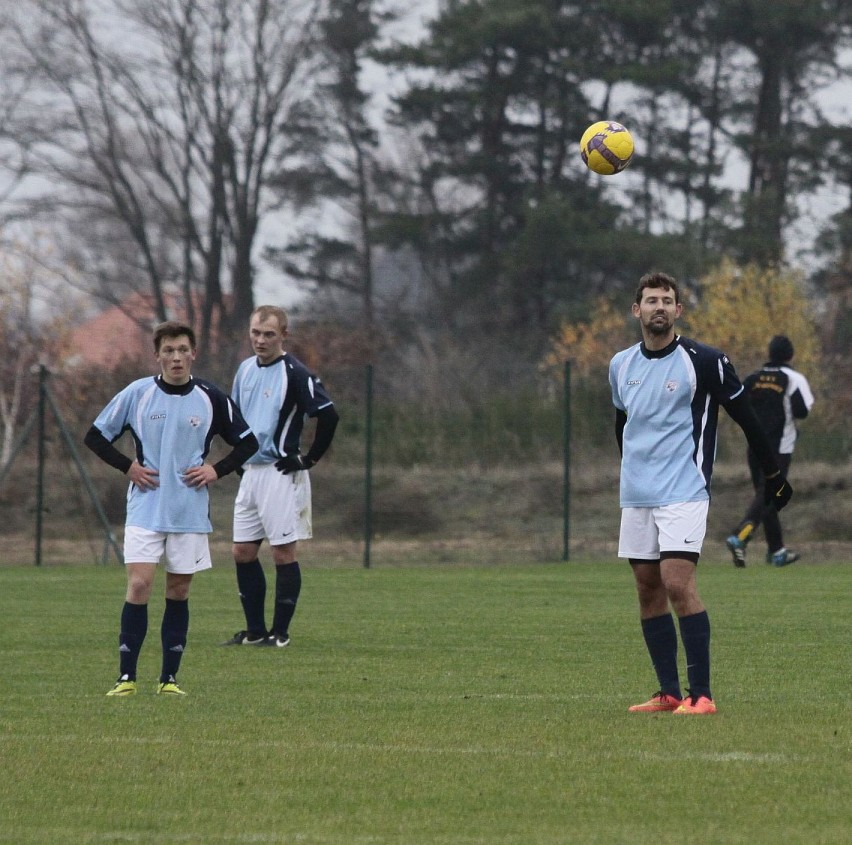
606 147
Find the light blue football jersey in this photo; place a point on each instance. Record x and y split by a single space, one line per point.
671 398
276 398
172 427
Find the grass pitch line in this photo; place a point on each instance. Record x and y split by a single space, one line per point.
433 750
720 757
40 835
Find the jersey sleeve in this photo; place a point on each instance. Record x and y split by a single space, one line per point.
230 424
114 419
312 394
613 383
801 396
723 383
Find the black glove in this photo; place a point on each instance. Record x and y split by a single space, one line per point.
777 491
293 463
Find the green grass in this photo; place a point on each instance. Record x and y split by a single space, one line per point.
428 705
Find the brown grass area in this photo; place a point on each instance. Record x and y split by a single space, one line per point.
443 515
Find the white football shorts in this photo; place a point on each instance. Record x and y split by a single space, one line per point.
645 532
273 506
185 554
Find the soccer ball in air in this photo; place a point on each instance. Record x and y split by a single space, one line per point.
606 147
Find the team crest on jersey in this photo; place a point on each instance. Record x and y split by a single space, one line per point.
267 393
195 421
671 386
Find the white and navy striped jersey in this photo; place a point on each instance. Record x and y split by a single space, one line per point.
779 395
276 398
173 426
671 398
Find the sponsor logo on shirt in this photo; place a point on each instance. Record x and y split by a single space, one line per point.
158 416
632 381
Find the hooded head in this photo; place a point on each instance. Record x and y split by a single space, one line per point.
780 350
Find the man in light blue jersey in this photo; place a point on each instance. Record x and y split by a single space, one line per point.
276 393
667 390
172 418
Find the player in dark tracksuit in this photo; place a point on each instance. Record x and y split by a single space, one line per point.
779 395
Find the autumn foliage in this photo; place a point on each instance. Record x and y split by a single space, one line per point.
737 309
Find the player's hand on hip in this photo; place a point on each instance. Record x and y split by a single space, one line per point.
143 477
777 491
200 476
293 463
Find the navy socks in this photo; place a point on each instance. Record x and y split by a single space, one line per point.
661 640
288 585
173 635
251 582
134 627
695 634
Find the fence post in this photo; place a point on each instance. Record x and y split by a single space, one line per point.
368 470
42 402
566 462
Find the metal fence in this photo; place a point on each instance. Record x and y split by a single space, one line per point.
482 478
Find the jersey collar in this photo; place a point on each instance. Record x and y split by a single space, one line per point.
175 389
271 363
659 353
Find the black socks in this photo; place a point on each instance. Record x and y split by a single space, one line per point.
661 639
134 627
695 634
251 582
288 585
173 635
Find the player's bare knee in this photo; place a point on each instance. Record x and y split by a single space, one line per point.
138 591
245 552
284 554
177 586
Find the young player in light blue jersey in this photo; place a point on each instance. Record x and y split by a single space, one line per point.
276 393
667 391
172 418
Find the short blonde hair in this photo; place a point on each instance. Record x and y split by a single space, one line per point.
267 311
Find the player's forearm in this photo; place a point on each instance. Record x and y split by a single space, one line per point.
95 441
327 420
237 456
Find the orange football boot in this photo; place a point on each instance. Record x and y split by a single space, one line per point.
696 706
660 703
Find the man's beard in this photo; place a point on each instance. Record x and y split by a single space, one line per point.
657 328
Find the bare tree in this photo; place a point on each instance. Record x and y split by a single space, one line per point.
166 118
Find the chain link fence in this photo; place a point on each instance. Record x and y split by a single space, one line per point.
471 475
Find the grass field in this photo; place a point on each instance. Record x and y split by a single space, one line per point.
428 705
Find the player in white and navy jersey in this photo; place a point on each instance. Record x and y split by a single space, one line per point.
779 395
276 393
172 418
667 391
